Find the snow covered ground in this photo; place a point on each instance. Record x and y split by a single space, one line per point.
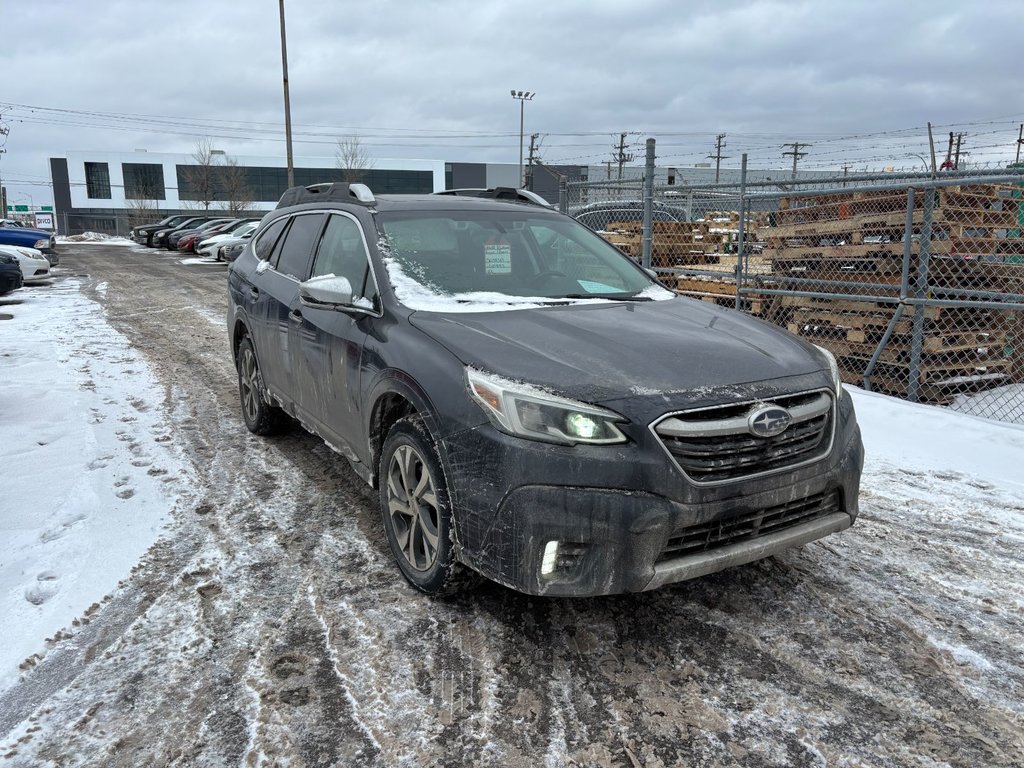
89 471
267 624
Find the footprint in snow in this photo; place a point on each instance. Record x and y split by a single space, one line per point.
45 587
125 493
61 530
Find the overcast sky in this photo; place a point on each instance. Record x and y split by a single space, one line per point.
432 79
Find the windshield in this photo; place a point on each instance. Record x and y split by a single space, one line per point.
504 257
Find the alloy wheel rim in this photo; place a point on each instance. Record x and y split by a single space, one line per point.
249 389
412 506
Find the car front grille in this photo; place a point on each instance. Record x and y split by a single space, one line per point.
714 445
749 525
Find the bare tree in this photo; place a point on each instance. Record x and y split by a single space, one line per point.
201 176
237 194
351 159
143 200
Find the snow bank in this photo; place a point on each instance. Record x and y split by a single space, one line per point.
1005 402
94 237
89 474
929 438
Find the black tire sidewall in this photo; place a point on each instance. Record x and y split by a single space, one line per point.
265 417
412 432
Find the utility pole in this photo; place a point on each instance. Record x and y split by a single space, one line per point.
931 146
1020 140
947 164
718 157
4 131
534 157
621 157
796 153
287 102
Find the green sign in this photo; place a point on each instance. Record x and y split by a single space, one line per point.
20 208
47 208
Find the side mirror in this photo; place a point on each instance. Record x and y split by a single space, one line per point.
651 273
326 292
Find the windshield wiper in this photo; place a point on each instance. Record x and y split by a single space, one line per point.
612 296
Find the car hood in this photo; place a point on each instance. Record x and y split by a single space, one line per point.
38 233
605 352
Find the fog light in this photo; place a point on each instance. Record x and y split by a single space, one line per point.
582 425
550 559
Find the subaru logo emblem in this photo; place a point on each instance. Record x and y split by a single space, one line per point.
768 421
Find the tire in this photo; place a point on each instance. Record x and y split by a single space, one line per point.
261 418
416 510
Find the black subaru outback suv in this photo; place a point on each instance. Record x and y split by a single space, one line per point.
529 403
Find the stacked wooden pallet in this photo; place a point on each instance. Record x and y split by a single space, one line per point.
858 238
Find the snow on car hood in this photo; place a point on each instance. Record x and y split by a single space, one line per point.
605 352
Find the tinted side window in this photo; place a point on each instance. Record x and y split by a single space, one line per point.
265 245
293 256
343 254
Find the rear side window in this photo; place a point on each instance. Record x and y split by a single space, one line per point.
265 245
292 258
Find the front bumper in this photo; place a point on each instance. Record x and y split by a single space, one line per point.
622 537
10 279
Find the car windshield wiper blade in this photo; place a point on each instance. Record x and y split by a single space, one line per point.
612 296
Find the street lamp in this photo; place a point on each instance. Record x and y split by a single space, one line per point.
287 102
522 97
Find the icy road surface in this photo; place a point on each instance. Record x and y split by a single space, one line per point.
269 626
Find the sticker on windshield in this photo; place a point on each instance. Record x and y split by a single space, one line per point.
591 287
497 258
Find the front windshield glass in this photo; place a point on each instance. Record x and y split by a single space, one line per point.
440 259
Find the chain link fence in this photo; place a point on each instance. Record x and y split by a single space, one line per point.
915 283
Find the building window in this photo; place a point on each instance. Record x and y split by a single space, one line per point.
97 181
143 181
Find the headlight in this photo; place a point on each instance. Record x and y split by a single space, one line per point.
40 244
837 382
526 411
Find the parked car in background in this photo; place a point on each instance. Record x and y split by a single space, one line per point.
190 241
528 402
143 235
159 238
230 250
173 238
10 274
34 265
598 215
24 237
208 246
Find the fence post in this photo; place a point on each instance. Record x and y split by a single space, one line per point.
920 291
740 232
648 203
563 194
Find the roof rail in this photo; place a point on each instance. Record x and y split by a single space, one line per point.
499 193
338 192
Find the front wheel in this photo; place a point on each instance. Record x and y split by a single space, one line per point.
417 511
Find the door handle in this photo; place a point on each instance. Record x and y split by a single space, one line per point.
295 316
254 292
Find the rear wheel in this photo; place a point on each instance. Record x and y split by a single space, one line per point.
260 417
417 511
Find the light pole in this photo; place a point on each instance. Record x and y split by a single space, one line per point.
522 97
287 104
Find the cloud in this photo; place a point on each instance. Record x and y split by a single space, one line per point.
431 79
